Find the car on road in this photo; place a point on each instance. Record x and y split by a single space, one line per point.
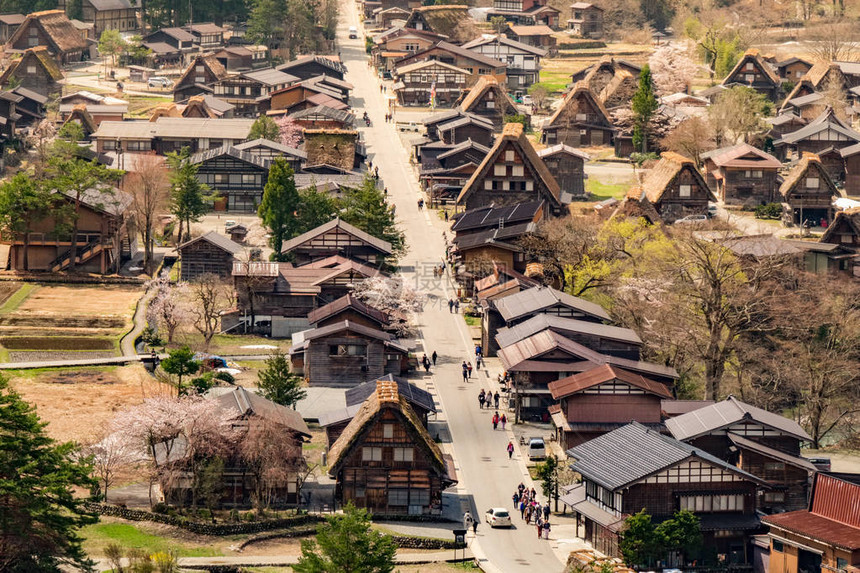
537 449
159 82
229 224
692 220
498 517
527 100
353 32
411 126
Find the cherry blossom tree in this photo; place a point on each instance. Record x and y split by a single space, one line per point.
291 132
168 308
108 455
395 297
672 69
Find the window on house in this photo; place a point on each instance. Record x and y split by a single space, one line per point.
712 503
518 171
749 66
848 239
530 185
509 155
359 491
500 170
812 182
491 105
370 454
581 117
403 454
347 350
222 178
250 178
387 430
200 69
109 145
684 190
488 184
841 563
749 78
398 497
774 497
777 546
31 70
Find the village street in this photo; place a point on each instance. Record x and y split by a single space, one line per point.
486 476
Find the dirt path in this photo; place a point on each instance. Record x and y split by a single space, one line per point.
126 343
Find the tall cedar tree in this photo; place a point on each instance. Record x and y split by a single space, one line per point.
315 208
347 544
278 384
23 203
188 195
644 105
366 208
39 512
279 206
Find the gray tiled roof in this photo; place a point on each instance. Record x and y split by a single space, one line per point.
633 452
412 393
534 300
507 336
727 413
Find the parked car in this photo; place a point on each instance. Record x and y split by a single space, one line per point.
692 220
498 517
537 449
353 32
821 464
229 224
386 74
159 82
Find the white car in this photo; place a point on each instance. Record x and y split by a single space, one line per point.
498 517
537 449
692 220
353 33
159 82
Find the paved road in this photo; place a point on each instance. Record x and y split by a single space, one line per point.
486 476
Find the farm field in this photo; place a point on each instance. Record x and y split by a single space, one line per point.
51 322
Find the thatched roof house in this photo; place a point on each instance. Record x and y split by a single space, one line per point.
385 460
808 191
35 70
676 188
580 121
754 72
487 98
450 20
53 30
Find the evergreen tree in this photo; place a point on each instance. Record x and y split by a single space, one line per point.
264 127
278 384
180 363
640 544
315 208
39 512
347 544
23 203
188 195
644 105
279 206
366 208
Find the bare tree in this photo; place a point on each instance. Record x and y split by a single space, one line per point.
691 138
270 453
559 244
169 307
738 115
835 41
148 182
210 296
396 298
110 454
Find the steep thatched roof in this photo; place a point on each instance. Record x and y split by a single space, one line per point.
799 171
754 57
636 206
386 398
41 55
210 61
56 26
164 110
851 217
663 175
514 133
82 116
822 71
451 20
579 91
482 86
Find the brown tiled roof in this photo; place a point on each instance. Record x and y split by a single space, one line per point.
816 527
600 374
343 303
57 27
513 132
664 173
733 157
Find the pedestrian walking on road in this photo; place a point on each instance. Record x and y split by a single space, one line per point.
521 488
450 305
496 399
477 350
475 528
504 421
478 362
495 420
510 448
457 306
516 498
426 362
467 520
446 215
469 369
539 524
546 529
546 511
433 357
481 398
522 509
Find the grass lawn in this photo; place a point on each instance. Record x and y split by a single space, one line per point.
472 320
18 297
554 81
99 535
601 191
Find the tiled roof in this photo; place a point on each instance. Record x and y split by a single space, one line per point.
509 335
535 300
600 374
728 413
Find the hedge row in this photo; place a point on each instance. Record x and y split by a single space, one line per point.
402 541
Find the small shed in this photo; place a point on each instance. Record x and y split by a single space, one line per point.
211 253
238 233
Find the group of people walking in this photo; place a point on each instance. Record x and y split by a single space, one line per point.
467 371
453 305
488 398
531 510
425 362
499 420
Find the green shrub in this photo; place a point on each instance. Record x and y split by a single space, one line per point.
249 516
160 507
225 377
769 211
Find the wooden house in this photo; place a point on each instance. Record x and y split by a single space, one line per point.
475 63
823 536
586 20
742 174
675 188
398 42
539 36
653 472
9 115
489 100
104 240
567 165
597 76
238 177
820 136
337 237
525 12
324 117
844 230
430 83
808 192
303 95
580 121
238 58
168 134
450 20
243 90
80 114
199 77
754 72
446 168
760 442
91 116
792 69
851 164
348 308
207 36
386 461
180 40
335 421
599 400
347 354
206 106
8 24
454 127
209 254
269 150
31 107
35 70
119 15
511 173
386 18
523 60
237 486
306 67
785 122
52 30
